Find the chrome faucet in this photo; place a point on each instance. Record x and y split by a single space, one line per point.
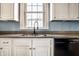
35 27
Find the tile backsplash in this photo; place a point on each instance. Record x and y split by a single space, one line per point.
53 26
64 26
9 26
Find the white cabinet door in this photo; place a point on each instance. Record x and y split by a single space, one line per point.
61 11
41 47
73 11
5 47
7 11
5 51
22 51
22 47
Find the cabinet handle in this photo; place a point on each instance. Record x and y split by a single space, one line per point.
34 48
1 48
30 48
54 17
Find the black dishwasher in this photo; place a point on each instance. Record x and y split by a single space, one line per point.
64 47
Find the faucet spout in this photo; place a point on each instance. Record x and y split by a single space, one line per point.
34 31
35 23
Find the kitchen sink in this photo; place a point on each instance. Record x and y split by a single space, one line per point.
26 35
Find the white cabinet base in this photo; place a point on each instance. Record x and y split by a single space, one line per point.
26 46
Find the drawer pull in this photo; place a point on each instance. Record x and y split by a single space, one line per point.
5 42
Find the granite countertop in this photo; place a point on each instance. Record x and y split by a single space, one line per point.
39 34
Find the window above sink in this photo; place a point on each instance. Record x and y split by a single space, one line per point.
34 15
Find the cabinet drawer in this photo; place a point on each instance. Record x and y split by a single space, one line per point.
5 42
